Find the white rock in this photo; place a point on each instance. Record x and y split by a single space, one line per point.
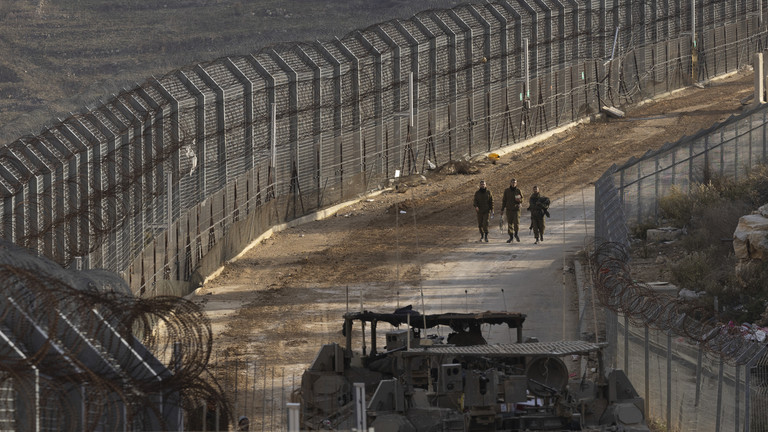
763 210
749 239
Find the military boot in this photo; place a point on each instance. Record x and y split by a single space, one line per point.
486 237
541 238
517 238
510 239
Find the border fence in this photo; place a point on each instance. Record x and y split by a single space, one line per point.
727 150
166 181
695 375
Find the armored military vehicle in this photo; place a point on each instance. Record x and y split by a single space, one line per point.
438 373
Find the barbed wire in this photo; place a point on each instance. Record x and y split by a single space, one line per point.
86 329
644 306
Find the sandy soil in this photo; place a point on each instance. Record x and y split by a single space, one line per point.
284 298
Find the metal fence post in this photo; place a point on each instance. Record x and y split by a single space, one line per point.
698 376
719 393
38 408
360 413
204 405
626 344
669 382
293 417
764 138
646 395
169 209
526 60
736 395
747 389
757 62
759 357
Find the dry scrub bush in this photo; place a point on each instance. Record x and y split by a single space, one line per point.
703 271
712 226
680 207
463 167
753 292
710 213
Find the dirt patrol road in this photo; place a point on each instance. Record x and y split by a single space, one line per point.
520 277
284 298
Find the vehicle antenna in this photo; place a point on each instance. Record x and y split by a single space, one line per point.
362 322
565 290
418 255
504 299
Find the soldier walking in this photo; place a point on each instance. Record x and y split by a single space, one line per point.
483 204
511 202
539 207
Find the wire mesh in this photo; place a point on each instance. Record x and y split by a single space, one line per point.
340 124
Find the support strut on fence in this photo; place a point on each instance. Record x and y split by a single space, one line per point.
669 382
295 191
429 147
409 156
508 129
646 396
719 393
541 113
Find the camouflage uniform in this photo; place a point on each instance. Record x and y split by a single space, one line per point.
511 202
537 216
483 204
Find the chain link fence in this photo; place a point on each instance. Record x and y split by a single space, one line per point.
725 150
696 376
